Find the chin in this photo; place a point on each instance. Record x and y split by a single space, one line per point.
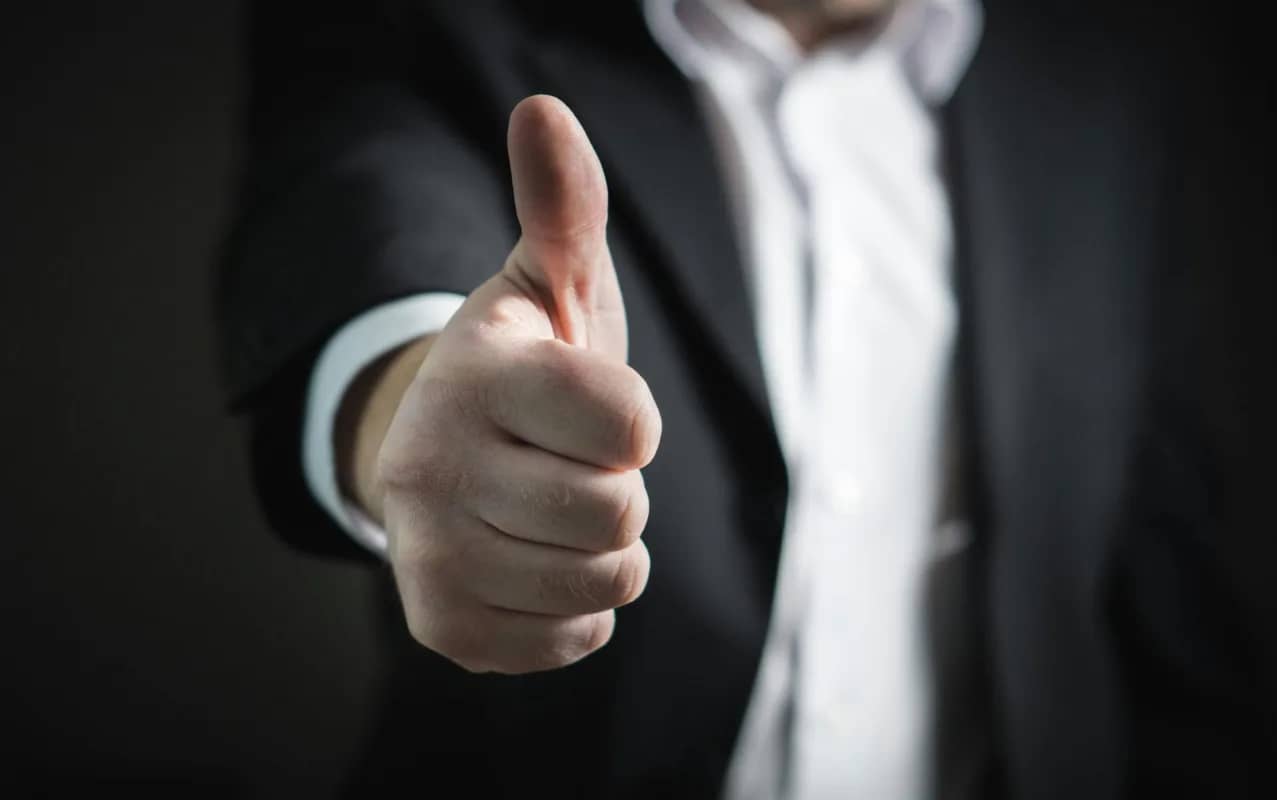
834 9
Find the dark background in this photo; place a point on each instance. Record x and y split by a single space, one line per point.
153 629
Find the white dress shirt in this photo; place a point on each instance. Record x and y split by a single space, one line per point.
832 163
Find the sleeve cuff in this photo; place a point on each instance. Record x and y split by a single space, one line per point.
356 345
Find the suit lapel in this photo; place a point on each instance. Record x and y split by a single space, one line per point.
1055 204
662 172
1053 190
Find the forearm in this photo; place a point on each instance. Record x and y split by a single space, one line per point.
366 411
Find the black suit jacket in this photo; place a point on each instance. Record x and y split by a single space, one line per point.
1111 631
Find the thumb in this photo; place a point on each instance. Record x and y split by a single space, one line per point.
560 196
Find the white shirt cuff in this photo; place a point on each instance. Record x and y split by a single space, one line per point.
359 343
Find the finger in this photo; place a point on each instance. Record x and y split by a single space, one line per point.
560 192
535 495
560 197
512 642
517 575
577 403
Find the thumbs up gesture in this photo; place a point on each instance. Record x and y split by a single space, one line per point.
509 474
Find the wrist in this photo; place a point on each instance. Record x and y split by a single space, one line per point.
367 409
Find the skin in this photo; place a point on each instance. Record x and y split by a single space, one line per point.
813 22
502 454
508 474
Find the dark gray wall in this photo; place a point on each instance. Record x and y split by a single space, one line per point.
153 629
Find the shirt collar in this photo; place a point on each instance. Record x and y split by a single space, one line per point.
935 40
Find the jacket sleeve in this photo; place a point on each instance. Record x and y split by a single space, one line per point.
369 175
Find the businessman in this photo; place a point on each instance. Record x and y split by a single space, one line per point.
771 399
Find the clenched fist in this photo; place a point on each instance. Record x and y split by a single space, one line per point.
509 476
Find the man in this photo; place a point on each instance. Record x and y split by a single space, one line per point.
738 267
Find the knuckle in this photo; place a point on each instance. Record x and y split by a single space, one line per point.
626 419
557 496
599 631
575 640
491 333
644 428
633 421
627 512
577 589
557 651
629 576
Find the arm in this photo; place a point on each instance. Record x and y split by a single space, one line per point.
508 477
502 454
366 411
348 367
363 184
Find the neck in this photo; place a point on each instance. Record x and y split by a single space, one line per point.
813 22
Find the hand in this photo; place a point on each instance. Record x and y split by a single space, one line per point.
508 478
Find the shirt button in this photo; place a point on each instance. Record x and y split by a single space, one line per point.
846 495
